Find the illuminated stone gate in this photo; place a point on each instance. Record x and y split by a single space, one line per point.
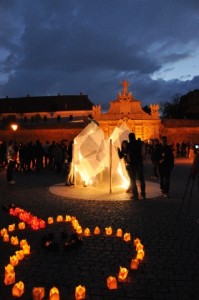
126 109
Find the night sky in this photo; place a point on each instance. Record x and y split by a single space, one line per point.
89 46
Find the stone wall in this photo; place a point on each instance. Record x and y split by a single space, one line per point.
30 134
175 130
180 130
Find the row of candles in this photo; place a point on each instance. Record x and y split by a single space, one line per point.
38 293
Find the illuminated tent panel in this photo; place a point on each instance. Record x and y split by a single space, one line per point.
96 159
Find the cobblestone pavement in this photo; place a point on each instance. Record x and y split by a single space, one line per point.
168 230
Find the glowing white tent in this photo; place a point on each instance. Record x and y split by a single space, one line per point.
96 159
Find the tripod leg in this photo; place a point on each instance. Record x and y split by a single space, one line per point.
183 197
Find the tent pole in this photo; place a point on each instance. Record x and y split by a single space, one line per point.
110 158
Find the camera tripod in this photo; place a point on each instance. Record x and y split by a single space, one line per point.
190 182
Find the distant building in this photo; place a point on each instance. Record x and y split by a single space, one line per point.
126 109
44 109
62 117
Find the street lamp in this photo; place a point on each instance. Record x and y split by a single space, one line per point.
14 128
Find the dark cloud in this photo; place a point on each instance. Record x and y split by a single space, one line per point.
74 46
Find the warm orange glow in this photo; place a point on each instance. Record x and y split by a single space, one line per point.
21 225
140 254
79 229
139 246
87 232
3 231
136 241
108 230
18 289
14 240
14 260
54 294
68 218
19 254
80 292
60 218
23 243
123 273
26 249
111 283
9 269
38 293
14 127
127 237
134 264
11 227
6 237
50 220
119 232
97 230
9 278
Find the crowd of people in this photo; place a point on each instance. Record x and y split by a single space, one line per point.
27 157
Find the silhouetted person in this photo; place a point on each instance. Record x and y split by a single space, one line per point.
135 154
165 165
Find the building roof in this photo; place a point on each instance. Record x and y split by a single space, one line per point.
45 104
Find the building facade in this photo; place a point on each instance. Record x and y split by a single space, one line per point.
63 117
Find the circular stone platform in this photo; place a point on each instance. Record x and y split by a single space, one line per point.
99 193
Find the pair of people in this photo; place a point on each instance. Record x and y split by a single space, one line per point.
133 155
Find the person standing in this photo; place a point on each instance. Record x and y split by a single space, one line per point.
135 155
165 156
11 162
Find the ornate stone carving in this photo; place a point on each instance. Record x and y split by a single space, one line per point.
124 96
154 110
96 110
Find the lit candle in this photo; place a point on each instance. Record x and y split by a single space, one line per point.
97 230
119 232
26 249
123 273
139 246
14 240
50 220
9 269
54 294
108 230
136 241
23 243
18 289
9 278
38 293
42 223
87 232
134 264
21 225
60 218
14 260
3 231
11 227
127 237
19 254
68 218
80 292
111 283
6 237
140 254
79 229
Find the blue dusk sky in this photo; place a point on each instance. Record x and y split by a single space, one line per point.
90 46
